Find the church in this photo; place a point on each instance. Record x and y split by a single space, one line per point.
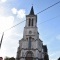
31 46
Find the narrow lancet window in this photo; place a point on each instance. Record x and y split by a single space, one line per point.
29 44
32 22
29 21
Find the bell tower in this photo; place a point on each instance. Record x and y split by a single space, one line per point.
30 28
31 19
30 46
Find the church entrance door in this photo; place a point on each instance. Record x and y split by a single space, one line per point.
29 55
29 58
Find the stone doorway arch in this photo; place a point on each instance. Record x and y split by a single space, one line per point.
29 55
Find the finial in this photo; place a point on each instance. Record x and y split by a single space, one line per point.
32 4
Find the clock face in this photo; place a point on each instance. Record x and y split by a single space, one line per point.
30 32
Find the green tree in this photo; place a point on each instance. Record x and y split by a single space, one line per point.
6 58
12 58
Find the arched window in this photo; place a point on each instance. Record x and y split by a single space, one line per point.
29 43
29 54
32 22
29 21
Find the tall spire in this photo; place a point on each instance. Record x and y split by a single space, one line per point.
31 11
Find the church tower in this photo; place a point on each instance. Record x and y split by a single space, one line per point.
30 46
